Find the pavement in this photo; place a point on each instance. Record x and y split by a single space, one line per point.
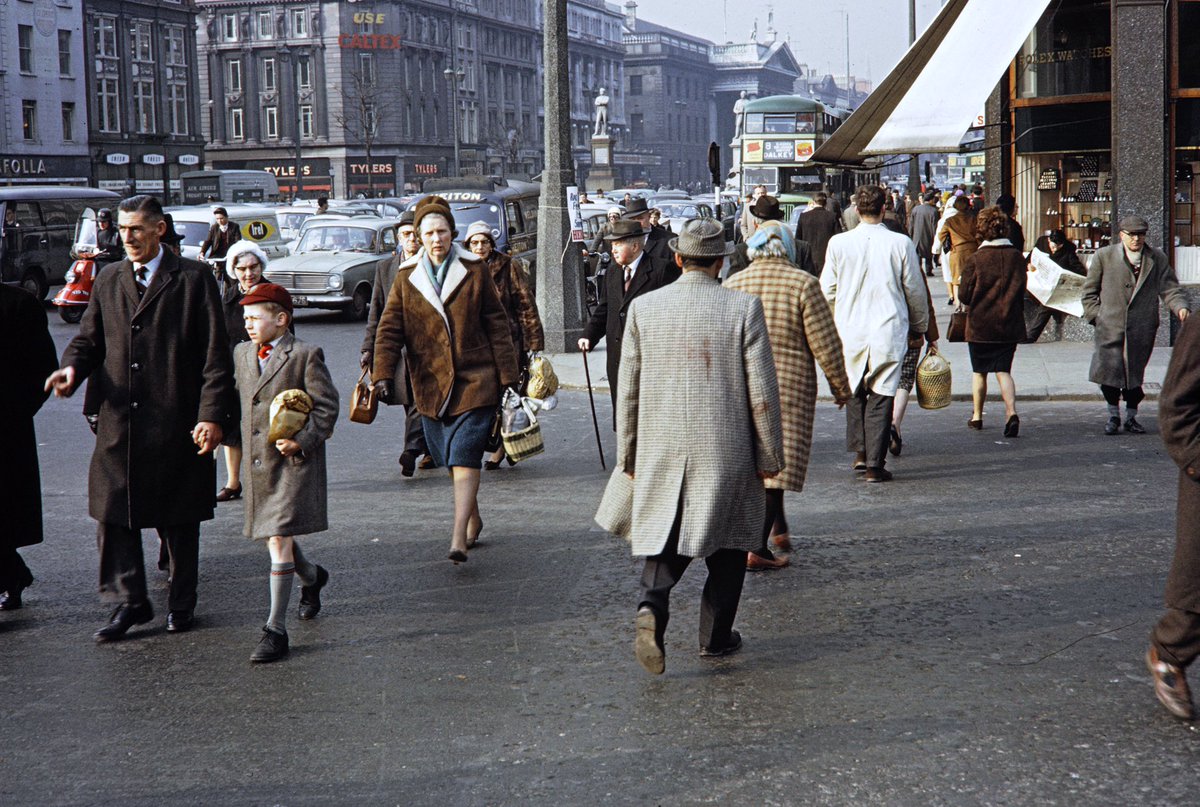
969 634
1044 371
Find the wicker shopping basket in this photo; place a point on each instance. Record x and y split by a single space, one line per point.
524 444
933 381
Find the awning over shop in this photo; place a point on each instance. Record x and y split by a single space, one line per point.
934 93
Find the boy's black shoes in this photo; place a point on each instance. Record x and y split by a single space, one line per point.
310 596
271 647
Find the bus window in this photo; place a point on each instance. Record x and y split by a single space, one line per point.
806 123
754 123
779 124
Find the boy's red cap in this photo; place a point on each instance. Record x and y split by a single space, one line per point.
269 293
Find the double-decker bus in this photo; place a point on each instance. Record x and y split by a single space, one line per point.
779 136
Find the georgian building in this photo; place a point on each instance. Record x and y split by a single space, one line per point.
143 107
370 97
43 93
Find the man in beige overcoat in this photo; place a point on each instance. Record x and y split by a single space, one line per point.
698 429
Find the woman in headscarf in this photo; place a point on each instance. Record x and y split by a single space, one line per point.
444 310
520 307
801 328
245 263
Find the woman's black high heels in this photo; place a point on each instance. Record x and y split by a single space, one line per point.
1012 427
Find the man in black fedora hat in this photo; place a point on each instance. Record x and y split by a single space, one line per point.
657 239
633 272
766 208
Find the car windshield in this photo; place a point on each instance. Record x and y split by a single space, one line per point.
192 232
467 213
337 238
680 211
292 220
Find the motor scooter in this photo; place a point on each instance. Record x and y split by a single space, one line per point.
73 297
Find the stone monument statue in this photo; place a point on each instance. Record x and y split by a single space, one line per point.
739 114
601 114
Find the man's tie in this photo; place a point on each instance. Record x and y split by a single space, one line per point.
139 274
264 351
628 277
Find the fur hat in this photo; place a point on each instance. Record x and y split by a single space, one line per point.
432 204
479 228
240 248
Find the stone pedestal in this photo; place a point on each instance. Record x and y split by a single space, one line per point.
602 174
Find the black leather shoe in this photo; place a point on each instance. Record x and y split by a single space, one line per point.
180 621
1170 686
734 645
11 599
310 596
878 475
1013 427
408 463
1133 427
1112 427
647 645
124 618
271 647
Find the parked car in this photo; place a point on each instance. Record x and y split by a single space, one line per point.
39 230
675 213
333 265
291 219
257 223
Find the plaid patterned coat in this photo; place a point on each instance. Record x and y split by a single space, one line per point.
697 418
801 327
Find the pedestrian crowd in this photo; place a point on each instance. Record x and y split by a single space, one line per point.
713 384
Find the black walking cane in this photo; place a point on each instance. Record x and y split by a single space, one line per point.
591 400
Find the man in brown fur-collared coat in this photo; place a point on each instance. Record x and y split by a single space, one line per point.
697 431
154 344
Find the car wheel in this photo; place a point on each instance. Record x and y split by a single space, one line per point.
35 283
360 303
71 313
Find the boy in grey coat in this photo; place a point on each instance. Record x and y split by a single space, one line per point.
286 492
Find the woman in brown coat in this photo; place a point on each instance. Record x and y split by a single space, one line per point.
524 324
801 328
961 229
444 310
993 291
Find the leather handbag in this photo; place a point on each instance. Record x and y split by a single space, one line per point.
957 332
363 403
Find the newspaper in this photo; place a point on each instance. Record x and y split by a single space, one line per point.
1053 286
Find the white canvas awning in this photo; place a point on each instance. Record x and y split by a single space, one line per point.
934 93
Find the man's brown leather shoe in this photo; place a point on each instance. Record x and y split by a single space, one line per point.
878 475
1170 685
647 645
757 563
860 462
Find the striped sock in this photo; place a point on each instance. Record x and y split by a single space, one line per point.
282 580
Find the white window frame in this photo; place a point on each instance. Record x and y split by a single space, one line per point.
144 118
306 121
25 49
229 28
68 121
141 41
237 124
300 23
267 31
271 122
108 104
176 43
366 69
105 37
177 107
304 73
64 65
29 127
270 76
233 76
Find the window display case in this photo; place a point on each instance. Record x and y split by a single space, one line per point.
1075 195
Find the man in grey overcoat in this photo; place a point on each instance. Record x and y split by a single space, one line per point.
1120 297
1175 641
154 344
922 224
698 429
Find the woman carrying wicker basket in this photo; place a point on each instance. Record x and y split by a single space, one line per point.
993 290
444 310
800 326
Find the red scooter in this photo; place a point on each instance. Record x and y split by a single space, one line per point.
73 297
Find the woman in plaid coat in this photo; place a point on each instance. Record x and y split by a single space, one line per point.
801 328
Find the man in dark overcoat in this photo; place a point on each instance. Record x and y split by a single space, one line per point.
657 244
816 227
154 344
922 224
632 273
1120 297
27 357
767 208
1175 641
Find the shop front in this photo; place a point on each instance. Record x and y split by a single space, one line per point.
371 178
43 169
130 169
1185 132
316 178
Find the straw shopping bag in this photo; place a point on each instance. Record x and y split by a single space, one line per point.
519 428
933 381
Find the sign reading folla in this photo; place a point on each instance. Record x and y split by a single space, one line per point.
22 165
370 41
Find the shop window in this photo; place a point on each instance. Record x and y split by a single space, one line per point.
1064 127
1069 52
1189 45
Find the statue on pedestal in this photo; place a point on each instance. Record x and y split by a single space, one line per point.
739 114
601 114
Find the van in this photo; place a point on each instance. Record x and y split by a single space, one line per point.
256 222
508 207
39 227
233 186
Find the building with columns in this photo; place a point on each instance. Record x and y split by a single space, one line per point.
143 96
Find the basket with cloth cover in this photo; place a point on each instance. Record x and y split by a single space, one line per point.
519 428
933 381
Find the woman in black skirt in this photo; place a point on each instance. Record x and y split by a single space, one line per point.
993 293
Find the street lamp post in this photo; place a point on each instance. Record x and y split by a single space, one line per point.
454 77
